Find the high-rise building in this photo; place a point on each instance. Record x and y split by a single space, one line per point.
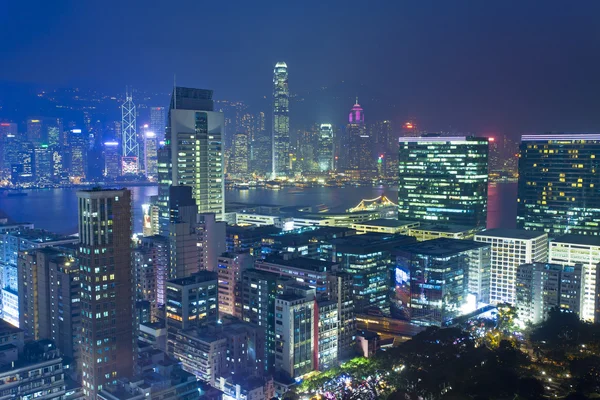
183 238
131 147
559 184
230 267
511 248
77 161
36 132
65 311
8 136
151 155
359 148
443 179
238 163
585 250
341 286
107 326
158 122
296 339
281 121
325 150
42 171
112 160
541 287
194 153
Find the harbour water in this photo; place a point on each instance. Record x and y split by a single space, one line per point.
56 209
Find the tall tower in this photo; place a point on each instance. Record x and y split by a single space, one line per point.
193 152
281 120
358 147
107 339
131 147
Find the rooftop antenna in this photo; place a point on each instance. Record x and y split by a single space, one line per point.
175 91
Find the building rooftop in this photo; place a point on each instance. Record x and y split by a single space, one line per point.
442 247
7 329
560 136
303 263
41 236
370 242
585 240
387 223
198 277
511 233
449 228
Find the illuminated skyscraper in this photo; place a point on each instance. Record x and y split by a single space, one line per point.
131 147
112 164
238 163
194 152
325 149
150 155
358 146
107 339
8 136
559 184
443 179
157 122
281 120
35 131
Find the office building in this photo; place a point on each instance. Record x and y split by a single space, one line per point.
112 160
230 267
511 248
37 133
151 155
131 146
437 273
107 339
192 301
42 167
359 155
559 184
8 139
328 324
281 121
182 228
541 287
443 179
585 250
341 285
368 259
238 162
259 290
296 339
325 151
194 151
158 122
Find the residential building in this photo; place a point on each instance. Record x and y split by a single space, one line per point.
107 339
511 248
541 287
585 250
230 267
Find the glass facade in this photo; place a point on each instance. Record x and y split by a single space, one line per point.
281 120
443 179
559 184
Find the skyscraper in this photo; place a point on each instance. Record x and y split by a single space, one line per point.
359 153
194 151
131 147
281 120
559 184
112 165
325 150
157 122
238 163
443 179
150 155
107 339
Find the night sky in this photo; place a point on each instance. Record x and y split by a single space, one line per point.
482 66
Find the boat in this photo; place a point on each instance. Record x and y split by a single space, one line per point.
273 185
